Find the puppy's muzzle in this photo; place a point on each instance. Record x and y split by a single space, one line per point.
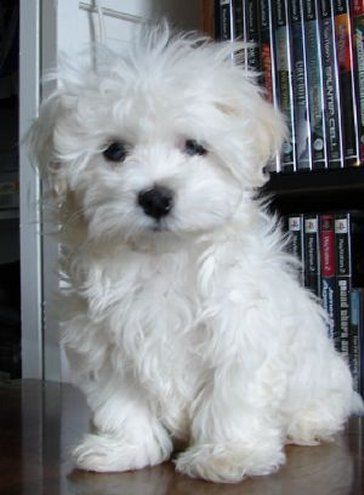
156 202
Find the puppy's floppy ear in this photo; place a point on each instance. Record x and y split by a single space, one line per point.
260 130
270 129
41 144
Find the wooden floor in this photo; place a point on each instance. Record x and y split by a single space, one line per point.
40 422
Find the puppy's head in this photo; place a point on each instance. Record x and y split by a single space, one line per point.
169 136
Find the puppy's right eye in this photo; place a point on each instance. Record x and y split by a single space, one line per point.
116 152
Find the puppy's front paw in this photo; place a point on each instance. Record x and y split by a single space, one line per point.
228 463
107 453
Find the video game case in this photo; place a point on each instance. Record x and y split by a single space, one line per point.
295 224
356 258
300 89
268 62
266 48
343 281
358 45
238 19
284 81
344 53
313 60
327 270
331 91
251 17
356 339
312 253
227 24
230 15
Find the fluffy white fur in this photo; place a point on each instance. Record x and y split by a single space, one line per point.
198 329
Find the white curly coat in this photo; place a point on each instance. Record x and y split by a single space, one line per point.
198 330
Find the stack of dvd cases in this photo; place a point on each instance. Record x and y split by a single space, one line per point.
310 57
330 247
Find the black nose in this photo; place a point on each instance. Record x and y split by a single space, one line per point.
156 202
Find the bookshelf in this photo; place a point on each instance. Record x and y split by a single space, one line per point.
302 191
336 189
310 57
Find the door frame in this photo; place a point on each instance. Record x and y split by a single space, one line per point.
30 192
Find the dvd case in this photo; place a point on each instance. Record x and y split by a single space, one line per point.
311 253
266 48
344 54
356 339
238 19
343 280
251 17
284 82
299 72
296 229
226 16
358 42
327 268
331 86
313 60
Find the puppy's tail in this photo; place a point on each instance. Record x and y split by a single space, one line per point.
357 404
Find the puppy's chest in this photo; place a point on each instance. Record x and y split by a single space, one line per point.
149 303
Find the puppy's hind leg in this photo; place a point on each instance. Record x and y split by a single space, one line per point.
324 412
128 435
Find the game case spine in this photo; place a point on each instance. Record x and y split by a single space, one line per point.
295 225
358 45
356 340
284 82
330 86
343 280
238 19
226 20
357 248
311 254
301 108
327 268
268 63
266 48
252 34
344 54
314 84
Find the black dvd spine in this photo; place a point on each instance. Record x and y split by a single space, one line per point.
238 19
331 86
311 254
252 34
357 248
226 16
296 231
266 48
314 84
344 54
328 269
356 341
268 62
301 108
343 281
284 82
358 46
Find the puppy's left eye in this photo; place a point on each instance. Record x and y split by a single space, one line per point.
116 152
192 147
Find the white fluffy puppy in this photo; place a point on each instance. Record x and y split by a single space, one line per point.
183 317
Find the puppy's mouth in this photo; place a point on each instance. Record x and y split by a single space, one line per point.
159 226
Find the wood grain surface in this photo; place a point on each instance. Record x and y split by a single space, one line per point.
40 422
